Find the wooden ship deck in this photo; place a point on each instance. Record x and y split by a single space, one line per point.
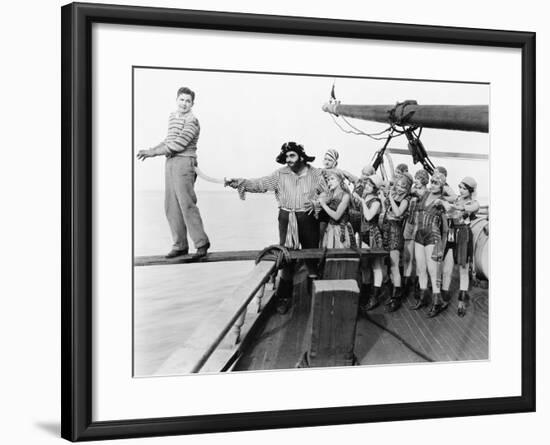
237 336
404 336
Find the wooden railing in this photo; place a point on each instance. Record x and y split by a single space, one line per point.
250 255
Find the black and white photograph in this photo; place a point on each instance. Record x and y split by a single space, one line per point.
286 221
275 222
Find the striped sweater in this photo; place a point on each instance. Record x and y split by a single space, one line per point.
182 137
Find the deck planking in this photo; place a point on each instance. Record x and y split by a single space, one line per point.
382 338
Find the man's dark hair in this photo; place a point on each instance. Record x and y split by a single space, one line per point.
185 90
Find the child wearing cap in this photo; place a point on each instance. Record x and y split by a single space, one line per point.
459 248
370 234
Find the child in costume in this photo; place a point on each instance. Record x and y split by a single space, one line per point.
395 206
459 248
429 243
421 179
338 233
370 234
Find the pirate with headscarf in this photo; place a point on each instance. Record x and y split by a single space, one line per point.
297 186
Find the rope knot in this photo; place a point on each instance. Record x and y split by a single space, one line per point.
397 114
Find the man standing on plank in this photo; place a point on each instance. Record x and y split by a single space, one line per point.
180 203
296 187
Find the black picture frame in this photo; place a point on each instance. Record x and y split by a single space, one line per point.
76 118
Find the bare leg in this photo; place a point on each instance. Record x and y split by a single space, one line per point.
463 294
448 264
421 271
421 267
433 268
322 230
464 278
377 272
408 256
394 266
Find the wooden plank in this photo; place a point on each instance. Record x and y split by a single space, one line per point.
251 255
375 346
280 343
447 336
423 337
466 341
331 330
214 328
459 339
437 332
342 269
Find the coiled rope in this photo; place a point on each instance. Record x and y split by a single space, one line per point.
281 254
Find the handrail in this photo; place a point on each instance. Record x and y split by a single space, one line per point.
218 339
207 338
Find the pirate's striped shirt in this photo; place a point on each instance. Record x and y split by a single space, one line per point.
292 191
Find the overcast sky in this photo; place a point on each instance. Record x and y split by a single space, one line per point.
246 117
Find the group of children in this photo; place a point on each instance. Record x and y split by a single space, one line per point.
423 224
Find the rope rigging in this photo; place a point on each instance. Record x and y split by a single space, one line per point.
399 118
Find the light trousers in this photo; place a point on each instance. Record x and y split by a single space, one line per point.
180 203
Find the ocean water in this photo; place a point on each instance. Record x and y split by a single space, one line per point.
171 301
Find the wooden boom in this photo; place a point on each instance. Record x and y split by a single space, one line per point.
445 117
251 255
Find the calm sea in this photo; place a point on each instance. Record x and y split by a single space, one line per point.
171 301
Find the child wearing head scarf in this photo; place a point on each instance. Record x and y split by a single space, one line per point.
330 160
459 248
338 233
395 206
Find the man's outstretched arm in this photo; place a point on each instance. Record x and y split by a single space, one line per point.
258 185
